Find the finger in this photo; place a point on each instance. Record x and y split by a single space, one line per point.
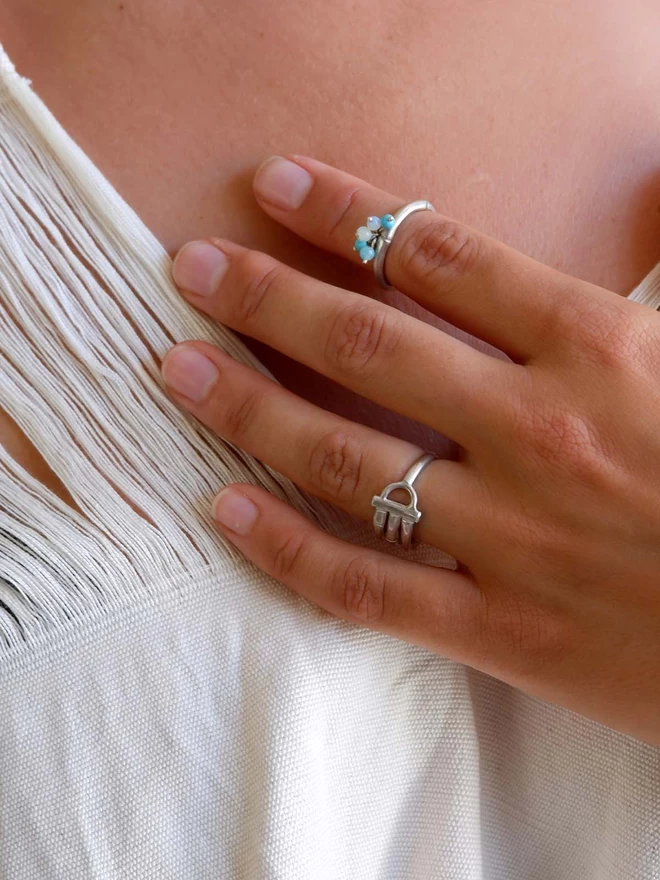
331 457
372 348
431 607
465 277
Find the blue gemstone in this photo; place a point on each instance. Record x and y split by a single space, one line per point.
367 253
387 221
360 244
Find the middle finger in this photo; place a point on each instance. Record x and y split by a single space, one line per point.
367 346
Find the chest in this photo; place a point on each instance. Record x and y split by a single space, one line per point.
536 123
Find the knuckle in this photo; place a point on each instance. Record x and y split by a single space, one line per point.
360 335
362 590
441 250
561 440
335 466
239 418
610 336
532 638
288 556
607 332
260 276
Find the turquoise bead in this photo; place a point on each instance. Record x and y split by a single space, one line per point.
360 244
367 253
387 220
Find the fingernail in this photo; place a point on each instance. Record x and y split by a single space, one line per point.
234 511
199 267
190 373
282 183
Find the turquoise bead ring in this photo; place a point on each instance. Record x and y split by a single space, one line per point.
367 237
373 239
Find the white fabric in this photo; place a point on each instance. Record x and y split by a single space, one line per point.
648 291
167 710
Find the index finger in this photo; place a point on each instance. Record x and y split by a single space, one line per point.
473 281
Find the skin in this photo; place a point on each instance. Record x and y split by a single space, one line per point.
559 444
536 124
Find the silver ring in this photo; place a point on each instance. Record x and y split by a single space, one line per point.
394 520
374 238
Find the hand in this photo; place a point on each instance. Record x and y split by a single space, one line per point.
553 511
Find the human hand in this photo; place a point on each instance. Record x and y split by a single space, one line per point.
552 511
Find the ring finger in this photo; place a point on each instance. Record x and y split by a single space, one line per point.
331 457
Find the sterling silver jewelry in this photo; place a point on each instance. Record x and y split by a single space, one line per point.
393 520
373 239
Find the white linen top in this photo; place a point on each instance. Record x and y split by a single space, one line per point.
169 711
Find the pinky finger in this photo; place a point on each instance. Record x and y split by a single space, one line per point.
436 609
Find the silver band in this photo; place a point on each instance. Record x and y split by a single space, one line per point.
386 240
394 520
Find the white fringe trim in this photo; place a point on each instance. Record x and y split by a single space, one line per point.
648 292
87 310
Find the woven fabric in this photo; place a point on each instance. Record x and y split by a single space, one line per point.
167 710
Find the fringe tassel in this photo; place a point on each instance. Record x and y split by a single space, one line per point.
87 310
